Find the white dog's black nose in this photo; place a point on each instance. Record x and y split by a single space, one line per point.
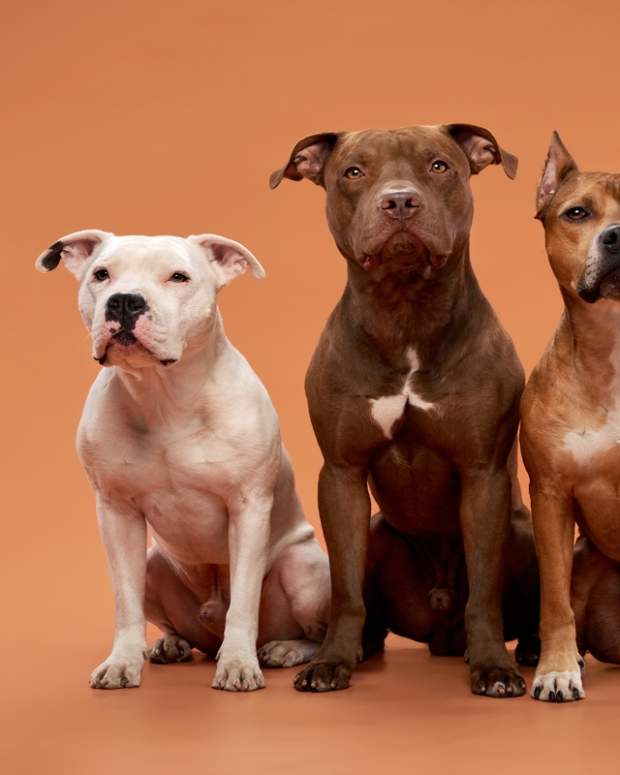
125 308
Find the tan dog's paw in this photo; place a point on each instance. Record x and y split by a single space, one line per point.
170 648
286 653
238 675
558 686
118 673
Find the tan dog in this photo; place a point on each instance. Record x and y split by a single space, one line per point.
571 428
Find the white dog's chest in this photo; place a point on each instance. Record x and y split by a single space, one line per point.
177 487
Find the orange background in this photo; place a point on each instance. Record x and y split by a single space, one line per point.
147 117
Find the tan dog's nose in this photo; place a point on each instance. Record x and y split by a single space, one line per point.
610 240
399 203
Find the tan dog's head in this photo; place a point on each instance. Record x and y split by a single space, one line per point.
145 300
398 198
581 215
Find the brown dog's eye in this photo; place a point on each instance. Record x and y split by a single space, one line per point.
100 275
576 214
439 166
353 173
179 277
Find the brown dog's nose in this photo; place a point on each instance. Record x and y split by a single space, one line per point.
400 203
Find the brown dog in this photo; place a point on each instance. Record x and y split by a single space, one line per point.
571 428
414 388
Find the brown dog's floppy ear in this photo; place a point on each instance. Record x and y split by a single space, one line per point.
73 249
558 165
482 149
307 159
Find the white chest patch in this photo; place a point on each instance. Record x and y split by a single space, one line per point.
584 444
387 409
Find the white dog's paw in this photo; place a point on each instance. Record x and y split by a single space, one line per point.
118 673
238 675
558 686
170 648
286 653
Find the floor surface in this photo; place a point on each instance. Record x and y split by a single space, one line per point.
406 711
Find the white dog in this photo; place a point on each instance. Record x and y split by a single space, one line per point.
180 434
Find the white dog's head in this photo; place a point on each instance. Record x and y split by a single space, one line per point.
145 299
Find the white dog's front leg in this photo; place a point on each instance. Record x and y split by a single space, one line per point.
248 539
124 536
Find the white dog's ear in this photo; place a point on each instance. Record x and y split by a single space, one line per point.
74 249
227 257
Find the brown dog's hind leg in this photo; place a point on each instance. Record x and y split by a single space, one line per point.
415 587
522 591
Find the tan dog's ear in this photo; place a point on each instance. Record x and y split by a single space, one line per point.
307 159
558 165
74 249
482 149
228 258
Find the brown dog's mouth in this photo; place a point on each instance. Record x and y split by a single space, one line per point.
402 249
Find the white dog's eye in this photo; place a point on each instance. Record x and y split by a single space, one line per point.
100 275
179 277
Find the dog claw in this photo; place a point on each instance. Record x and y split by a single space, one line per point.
496 682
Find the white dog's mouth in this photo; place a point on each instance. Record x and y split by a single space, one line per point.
126 345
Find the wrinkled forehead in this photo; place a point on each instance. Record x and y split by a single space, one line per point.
408 143
598 191
146 252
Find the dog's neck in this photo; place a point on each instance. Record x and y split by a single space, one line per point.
161 393
402 309
588 340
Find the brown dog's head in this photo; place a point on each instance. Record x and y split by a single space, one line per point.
398 198
581 215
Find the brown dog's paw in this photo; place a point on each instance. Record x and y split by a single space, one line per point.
170 648
496 681
323 676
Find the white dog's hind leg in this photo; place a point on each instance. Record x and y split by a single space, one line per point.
124 536
287 653
304 575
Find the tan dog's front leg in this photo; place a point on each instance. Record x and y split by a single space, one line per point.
124 536
248 540
558 675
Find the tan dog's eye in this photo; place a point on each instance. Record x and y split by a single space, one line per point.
439 166
576 213
353 173
179 277
99 275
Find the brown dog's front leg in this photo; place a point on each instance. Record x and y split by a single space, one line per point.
344 505
485 515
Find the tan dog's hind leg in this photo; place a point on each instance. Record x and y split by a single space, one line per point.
558 676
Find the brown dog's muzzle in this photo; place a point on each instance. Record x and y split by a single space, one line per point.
601 278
